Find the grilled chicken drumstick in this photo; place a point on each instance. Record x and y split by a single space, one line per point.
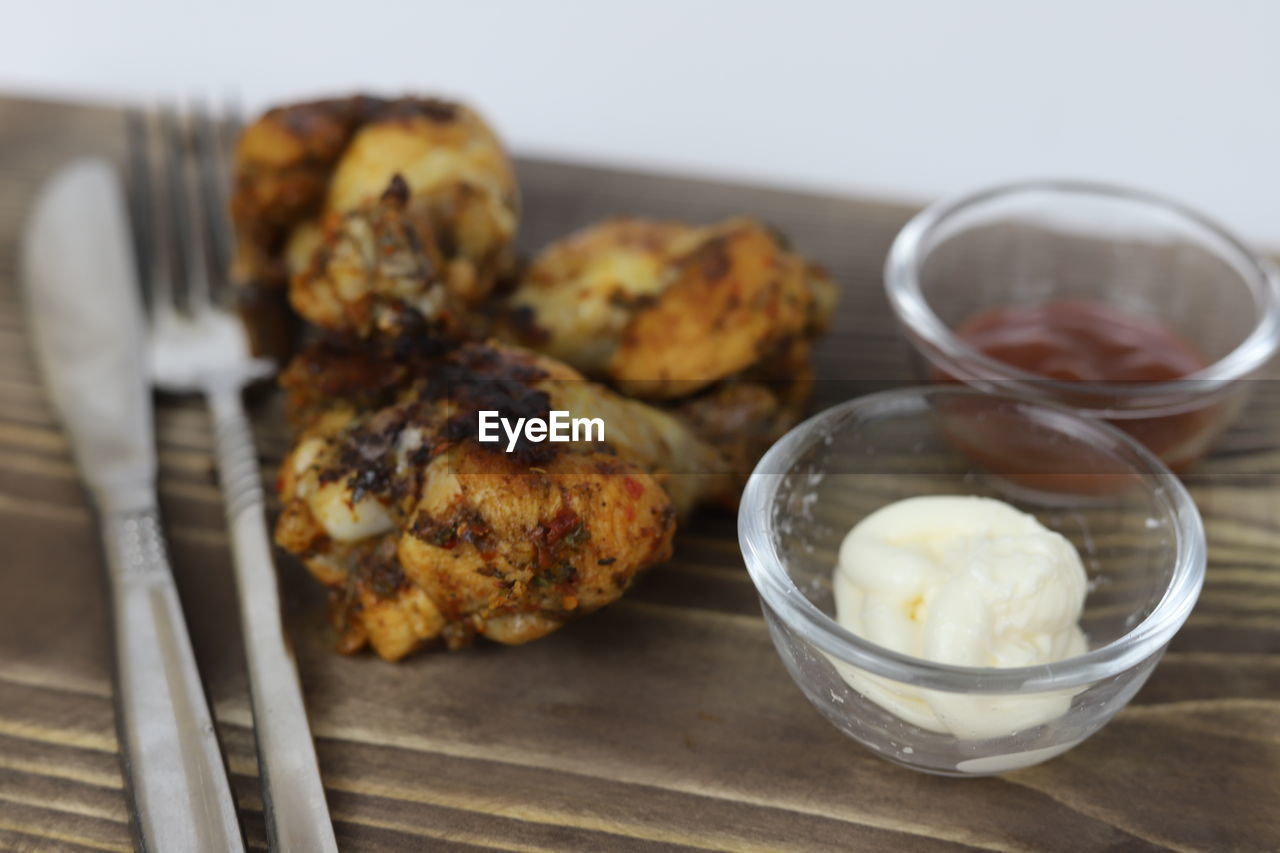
390 498
388 225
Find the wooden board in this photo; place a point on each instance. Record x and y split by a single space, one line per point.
665 721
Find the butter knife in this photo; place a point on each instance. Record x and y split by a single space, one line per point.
86 317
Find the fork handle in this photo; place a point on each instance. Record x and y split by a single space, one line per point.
297 816
180 793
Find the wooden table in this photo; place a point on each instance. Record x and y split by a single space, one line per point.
663 722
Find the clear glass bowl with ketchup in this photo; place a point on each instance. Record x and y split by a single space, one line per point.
1120 304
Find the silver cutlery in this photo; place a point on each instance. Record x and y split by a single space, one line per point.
198 345
86 318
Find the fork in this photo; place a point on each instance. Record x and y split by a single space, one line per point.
179 174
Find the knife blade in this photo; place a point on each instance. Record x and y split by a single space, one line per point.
86 322
86 317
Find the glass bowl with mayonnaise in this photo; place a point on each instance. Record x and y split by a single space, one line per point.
968 583
1119 303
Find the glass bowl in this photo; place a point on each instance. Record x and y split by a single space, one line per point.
1066 241
1134 524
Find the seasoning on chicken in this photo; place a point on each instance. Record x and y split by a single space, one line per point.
426 532
388 226
381 271
664 309
317 184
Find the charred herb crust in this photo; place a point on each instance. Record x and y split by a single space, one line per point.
477 377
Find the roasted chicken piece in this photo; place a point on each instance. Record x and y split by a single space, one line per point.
423 531
282 166
324 188
330 376
381 271
744 415
389 226
664 309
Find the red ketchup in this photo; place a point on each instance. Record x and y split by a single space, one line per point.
1093 342
1081 342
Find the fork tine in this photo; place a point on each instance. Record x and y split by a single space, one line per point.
158 263
231 125
214 176
192 242
138 186
168 148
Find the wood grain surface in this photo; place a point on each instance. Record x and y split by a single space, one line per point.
663 722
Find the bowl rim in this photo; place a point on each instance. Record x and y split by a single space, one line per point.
910 247
779 593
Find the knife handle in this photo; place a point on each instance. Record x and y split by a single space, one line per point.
297 816
173 766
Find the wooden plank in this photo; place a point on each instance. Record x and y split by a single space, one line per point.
664 722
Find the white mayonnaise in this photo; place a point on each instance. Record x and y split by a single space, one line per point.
967 581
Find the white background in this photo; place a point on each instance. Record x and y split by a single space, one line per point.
901 98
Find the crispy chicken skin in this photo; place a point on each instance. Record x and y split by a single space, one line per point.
744 416
282 166
664 309
381 271
298 162
425 532
613 292
388 226
331 376
355 195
